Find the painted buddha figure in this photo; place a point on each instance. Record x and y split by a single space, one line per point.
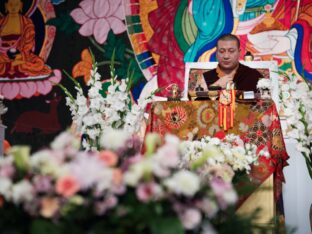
17 43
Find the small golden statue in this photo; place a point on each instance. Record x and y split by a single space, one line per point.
175 93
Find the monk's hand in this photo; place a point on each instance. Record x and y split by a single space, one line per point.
222 81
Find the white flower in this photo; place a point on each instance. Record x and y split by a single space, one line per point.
81 100
136 172
22 192
231 151
230 197
183 182
243 127
298 109
303 149
45 162
93 114
65 139
86 169
105 181
264 83
123 86
5 188
114 139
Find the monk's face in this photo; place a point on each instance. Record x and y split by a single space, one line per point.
14 6
228 54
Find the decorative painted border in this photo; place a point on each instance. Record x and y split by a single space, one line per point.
138 39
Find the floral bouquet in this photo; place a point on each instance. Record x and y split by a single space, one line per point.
296 96
116 190
226 152
106 105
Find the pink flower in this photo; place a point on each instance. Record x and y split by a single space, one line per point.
108 157
97 17
268 7
219 186
117 177
190 218
224 192
67 186
145 192
102 206
42 183
7 171
209 207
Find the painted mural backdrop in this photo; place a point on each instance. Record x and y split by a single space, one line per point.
50 41
152 40
25 46
169 33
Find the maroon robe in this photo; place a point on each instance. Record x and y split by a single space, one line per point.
245 78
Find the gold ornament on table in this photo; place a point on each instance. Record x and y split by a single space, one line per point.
175 92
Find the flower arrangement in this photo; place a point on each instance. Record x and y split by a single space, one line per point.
228 152
104 109
64 190
296 96
264 83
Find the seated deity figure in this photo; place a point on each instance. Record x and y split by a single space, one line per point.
17 44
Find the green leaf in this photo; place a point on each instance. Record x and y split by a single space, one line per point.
104 89
168 225
121 71
152 141
40 226
73 80
110 45
309 165
64 23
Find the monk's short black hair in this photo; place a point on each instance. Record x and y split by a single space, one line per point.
229 37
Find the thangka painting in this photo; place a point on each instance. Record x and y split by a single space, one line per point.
166 34
25 45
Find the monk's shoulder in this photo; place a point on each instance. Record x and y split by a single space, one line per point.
248 70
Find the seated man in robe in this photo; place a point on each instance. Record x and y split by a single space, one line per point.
17 42
229 69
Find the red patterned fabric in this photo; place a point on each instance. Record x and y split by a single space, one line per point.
163 42
257 123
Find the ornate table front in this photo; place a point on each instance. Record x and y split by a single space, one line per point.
257 123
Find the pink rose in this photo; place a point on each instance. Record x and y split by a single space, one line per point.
67 186
108 157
